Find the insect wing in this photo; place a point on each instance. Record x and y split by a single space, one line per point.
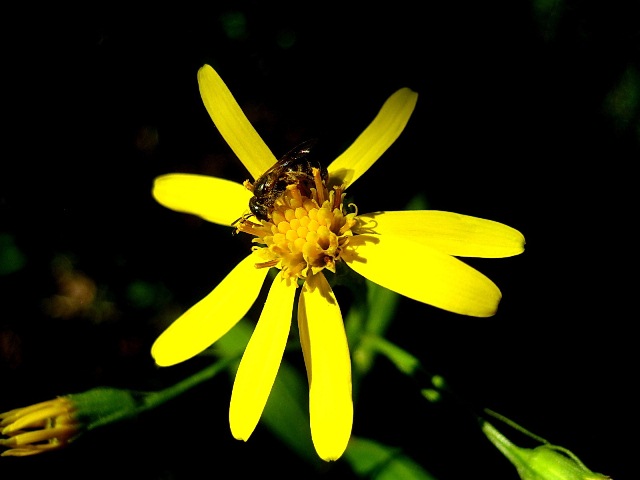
297 153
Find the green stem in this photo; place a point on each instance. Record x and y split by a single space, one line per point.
102 406
154 399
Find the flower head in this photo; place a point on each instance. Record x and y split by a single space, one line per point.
53 424
38 428
304 229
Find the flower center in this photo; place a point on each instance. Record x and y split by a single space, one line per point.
304 234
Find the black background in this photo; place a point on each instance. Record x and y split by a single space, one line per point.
515 122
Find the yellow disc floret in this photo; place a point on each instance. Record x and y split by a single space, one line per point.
304 234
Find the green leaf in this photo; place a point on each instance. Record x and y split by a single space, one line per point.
403 360
286 413
382 307
375 460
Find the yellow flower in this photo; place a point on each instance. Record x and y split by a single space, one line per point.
308 231
54 424
38 428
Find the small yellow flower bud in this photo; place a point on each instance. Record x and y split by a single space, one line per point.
38 428
53 424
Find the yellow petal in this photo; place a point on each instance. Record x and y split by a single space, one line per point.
452 233
328 366
213 199
233 124
211 317
423 274
303 332
47 434
261 359
375 139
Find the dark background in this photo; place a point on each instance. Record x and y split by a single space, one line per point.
528 114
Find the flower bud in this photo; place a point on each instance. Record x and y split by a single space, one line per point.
544 462
53 424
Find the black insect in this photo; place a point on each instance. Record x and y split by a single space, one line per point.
294 168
